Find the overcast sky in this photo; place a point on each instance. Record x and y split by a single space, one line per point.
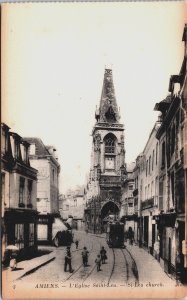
54 56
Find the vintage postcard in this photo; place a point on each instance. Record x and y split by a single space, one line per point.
94 150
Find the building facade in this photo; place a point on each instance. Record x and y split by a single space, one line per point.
127 211
160 175
103 194
172 174
148 193
73 205
18 193
136 196
44 159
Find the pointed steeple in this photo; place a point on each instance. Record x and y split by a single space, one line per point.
108 110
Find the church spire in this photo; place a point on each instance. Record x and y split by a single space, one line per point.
108 110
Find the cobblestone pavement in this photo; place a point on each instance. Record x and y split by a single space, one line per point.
131 267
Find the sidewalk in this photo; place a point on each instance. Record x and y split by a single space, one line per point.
149 269
26 267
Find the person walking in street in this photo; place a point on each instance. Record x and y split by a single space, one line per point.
13 261
103 255
85 253
131 236
98 262
68 260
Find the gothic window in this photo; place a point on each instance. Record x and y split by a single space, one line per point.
110 145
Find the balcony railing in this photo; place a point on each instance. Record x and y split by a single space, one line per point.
109 180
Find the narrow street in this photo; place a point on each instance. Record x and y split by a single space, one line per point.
120 269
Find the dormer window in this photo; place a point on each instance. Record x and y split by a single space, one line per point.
23 152
32 149
4 138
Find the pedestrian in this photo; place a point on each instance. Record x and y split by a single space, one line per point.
13 261
68 260
103 255
98 263
77 244
131 236
85 253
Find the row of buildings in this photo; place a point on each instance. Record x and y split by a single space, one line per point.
159 197
29 191
71 206
150 195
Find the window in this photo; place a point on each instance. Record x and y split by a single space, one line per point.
32 149
53 175
19 235
110 145
29 191
3 189
21 190
161 194
156 153
131 187
163 154
31 234
156 190
17 149
23 152
3 141
172 182
149 164
152 189
146 167
153 157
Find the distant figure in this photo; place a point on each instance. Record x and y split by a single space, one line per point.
77 244
98 263
13 261
131 236
103 255
68 260
85 253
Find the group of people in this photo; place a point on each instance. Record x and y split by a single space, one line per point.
101 258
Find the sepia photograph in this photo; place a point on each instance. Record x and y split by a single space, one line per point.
94 150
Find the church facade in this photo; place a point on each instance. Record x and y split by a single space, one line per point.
107 172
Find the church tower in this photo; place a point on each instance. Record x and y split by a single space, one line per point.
107 160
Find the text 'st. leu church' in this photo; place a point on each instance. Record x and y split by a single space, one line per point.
107 170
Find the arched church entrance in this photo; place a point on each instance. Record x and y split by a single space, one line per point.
109 210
